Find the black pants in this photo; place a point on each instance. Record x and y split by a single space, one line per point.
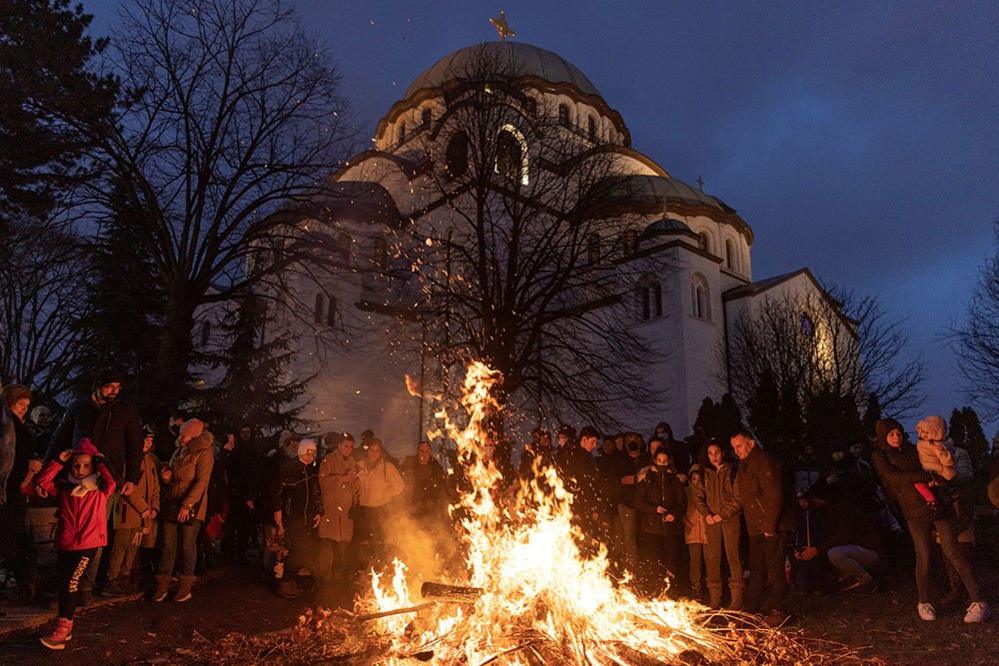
240 529
71 566
921 530
767 585
17 549
661 555
303 547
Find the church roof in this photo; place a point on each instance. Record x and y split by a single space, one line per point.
665 226
521 59
641 188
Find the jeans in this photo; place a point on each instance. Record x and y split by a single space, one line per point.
71 566
186 536
724 536
853 561
767 585
921 530
696 552
90 578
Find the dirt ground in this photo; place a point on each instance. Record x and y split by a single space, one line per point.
881 625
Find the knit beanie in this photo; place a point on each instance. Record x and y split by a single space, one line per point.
935 427
306 445
192 428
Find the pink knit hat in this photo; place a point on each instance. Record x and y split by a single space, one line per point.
85 446
192 428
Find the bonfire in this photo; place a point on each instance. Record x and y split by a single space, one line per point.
529 594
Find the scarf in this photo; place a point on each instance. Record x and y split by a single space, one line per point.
82 486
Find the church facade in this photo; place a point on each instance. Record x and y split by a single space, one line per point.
351 343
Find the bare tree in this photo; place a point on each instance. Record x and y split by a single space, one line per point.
41 300
517 262
836 343
978 339
233 111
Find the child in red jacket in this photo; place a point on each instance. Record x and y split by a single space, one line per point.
82 484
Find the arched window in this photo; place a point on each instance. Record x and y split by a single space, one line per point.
703 241
591 128
563 115
730 258
331 311
379 253
402 131
318 310
425 118
629 242
456 155
206 333
593 248
807 325
650 297
700 297
511 154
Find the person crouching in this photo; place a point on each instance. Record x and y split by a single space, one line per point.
82 484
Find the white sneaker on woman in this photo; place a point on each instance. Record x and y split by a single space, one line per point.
977 612
926 612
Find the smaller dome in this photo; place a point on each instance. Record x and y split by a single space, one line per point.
665 227
521 59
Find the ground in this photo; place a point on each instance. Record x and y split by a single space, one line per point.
882 625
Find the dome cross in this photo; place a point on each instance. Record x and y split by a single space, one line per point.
504 30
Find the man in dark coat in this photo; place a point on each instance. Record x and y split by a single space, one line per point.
245 468
115 428
426 486
759 493
591 501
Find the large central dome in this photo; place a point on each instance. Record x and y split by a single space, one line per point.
521 59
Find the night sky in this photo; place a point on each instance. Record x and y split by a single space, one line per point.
859 139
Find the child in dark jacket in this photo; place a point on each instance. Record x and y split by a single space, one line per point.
82 483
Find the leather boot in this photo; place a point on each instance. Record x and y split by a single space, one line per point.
737 602
184 591
287 588
714 595
162 588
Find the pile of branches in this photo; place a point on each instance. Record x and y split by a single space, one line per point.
330 637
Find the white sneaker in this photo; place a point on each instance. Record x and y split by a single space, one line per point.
977 612
928 613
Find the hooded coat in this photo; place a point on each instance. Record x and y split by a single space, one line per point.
145 496
82 519
338 495
192 470
899 469
660 488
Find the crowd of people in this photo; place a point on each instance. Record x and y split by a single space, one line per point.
721 521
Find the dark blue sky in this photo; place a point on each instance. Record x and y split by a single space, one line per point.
860 139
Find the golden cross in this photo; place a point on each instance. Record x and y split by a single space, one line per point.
499 22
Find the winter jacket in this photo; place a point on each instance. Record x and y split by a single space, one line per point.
427 488
82 520
115 429
759 492
296 492
695 528
899 469
660 488
939 460
246 464
338 495
16 449
848 523
378 485
628 466
716 493
585 483
145 496
192 466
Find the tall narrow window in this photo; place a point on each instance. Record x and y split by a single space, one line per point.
700 297
318 310
629 242
730 254
331 311
379 253
591 128
650 297
563 115
456 155
593 248
402 131
425 117
702 241
511 154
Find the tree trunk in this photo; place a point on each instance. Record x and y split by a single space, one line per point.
166 385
